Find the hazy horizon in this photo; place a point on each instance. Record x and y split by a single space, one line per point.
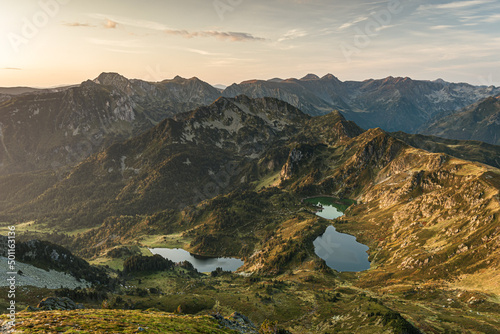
50 43
217 83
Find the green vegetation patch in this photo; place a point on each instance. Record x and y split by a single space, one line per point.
114 321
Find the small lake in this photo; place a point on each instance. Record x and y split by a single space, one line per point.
201 263
339 250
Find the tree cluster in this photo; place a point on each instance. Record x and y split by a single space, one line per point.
138 263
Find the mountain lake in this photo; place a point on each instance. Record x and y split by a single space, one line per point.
339 250
202 263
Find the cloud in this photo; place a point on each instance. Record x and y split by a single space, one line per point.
144 24
232 36
477 19
292 34
353 22
77 24
12 68
200 52
492 18
455 5
222 35
203 52
110 24
112 21
379 29
440 27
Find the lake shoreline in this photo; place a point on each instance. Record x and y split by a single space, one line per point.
340 251
199 262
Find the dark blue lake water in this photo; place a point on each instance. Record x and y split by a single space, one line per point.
339 250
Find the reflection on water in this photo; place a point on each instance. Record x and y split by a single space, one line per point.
339 250
201 263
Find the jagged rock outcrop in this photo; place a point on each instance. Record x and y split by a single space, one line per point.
237 322
297 157
57 303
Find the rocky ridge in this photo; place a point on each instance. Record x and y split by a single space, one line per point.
480 121
55 128
394 104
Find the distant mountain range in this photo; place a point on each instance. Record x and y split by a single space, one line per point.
18 90
480 121
393 104
54 128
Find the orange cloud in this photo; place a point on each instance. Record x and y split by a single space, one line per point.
110 24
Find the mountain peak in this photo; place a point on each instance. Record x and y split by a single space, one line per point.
375 132
222 100
439 80
330 76
310 76
247 105
396 80
110 79
178 78
251 81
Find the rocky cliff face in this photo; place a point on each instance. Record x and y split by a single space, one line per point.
55 128
295 158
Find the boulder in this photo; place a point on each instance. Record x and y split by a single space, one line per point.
58 303
237 322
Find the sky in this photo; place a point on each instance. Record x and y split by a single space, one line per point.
48 43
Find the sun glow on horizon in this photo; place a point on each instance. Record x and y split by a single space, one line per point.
55 42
